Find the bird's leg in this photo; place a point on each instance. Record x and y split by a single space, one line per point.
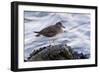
49 42
53 42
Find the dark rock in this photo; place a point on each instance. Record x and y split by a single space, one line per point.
57 52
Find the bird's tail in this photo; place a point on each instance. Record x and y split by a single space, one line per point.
38 33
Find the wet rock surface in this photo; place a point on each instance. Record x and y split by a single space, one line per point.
57 52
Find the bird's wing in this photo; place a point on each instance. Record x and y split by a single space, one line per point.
48 30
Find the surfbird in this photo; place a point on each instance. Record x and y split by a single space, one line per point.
51 31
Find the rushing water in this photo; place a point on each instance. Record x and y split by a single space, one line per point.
77 29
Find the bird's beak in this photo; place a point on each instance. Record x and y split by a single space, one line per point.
63 26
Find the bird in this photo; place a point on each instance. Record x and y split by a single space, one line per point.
51 31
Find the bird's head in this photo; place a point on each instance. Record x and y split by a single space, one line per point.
59 24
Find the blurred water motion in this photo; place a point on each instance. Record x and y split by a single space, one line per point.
78 37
